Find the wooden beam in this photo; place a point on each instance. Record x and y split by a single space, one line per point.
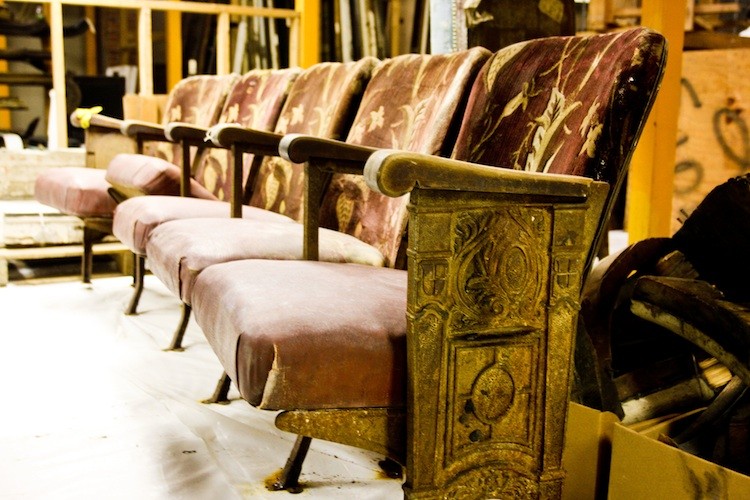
59 111
651 179
223 52
92 63
145 53
4 113
599 14
173 43
309 36
395 21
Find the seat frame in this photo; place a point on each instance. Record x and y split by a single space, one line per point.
449 343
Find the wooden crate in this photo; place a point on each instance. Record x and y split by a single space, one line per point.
605 14
19 169
713 142
30 230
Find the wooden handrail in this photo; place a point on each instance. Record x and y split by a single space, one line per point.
145 47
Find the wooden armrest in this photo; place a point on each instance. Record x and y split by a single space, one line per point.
143 130
326 154
395 173
97 120
228 135
181 131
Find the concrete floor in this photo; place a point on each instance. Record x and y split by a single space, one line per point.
93 408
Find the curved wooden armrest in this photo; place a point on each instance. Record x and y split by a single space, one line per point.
395 173
143 130
97 120
337 156
181 131
227 135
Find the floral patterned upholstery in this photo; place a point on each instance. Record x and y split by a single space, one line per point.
254 102
428 91
560 112
82 191
326 112
256 99
410 101
570 105
267 101
196 99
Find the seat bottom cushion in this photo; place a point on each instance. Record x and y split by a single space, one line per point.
307 335
136 218
178 250
78 191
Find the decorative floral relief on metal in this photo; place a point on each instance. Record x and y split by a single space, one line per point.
492 402
493 483
501 260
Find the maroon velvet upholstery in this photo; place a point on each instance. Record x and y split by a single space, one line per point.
78 191
196 99
572 105
358 357
256 100
325 111
178 254
136 218
410 102
139 175
83 191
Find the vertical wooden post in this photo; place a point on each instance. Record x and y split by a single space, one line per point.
395 22
223 57
4 113
650 183
58 74
309 31
92 63
599 14
295 49
145 53
174 47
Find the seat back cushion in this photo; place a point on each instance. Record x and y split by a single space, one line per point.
413 102
197 100
322 102
255 101
564 105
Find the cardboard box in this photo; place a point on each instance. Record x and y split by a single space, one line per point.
643 467
606 459
588 438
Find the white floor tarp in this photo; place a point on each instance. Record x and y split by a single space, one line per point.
93 408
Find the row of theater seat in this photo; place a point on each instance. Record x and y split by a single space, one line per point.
448 351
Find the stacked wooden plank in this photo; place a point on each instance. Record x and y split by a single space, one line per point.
29 230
